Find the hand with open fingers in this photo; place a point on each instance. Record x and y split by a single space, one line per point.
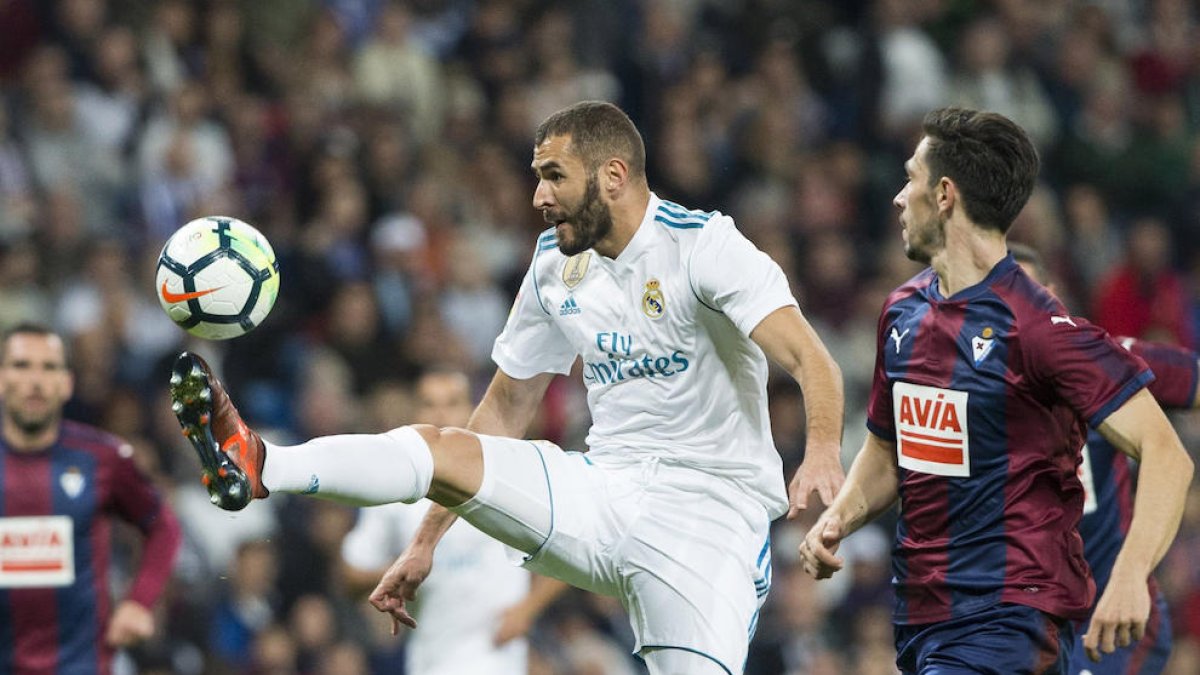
818 551
821 472
1119 619
399 585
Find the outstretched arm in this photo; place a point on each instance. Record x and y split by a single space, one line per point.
788 339
507 409
1141 430
871 487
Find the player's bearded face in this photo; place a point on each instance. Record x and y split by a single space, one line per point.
34 382
580 228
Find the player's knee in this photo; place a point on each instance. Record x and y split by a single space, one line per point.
457 463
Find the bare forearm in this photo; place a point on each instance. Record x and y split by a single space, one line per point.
871 487
820 379
1164 477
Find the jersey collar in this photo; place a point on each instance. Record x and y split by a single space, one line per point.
1006 264
641 239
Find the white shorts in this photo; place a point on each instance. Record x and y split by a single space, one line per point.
686 553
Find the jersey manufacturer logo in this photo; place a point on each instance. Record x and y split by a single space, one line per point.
653 302
981 345
897 336
931 429
1056 320
184 297
72 482
314 485
569 307
575 268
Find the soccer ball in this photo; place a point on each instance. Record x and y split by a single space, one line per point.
217 277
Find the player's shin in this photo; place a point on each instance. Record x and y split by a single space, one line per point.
359 469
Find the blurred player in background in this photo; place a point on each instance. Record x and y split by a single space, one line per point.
984 388
61 484
674 314
475 607
1108 482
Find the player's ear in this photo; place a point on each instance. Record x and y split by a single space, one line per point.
614 174
945 195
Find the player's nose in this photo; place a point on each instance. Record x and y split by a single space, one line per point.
542 196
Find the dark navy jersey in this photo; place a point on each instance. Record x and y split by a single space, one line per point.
1107 473
56 510
987 396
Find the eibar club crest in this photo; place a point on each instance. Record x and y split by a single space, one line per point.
72 482
575 268
653 303
981 345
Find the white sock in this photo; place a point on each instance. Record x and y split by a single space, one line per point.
361 469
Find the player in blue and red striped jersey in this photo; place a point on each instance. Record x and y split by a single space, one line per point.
1107 476
61 485
983 392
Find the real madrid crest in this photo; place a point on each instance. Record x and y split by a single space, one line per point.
575 268
653 303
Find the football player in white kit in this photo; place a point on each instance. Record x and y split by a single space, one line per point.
673 313
476 606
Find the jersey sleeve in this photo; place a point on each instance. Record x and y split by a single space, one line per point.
138 502
531 343
1080 362
880 420
1176 371
731 275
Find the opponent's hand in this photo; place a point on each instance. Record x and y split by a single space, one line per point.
399 585
130 624
515 622
822 472
1119 619
818 551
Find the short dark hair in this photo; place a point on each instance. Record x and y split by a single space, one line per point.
990 159
598 131
30 328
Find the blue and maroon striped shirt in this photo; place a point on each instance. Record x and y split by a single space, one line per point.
987 395
87 477
1107 474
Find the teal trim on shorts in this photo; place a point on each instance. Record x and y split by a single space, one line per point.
550 493
710 657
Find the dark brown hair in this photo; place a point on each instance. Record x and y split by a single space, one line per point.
989 158
598 131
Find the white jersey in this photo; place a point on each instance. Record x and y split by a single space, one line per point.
662 331
458 607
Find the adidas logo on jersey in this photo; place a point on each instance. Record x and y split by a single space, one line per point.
569 307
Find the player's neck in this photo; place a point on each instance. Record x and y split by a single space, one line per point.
969 255
627 215
22 441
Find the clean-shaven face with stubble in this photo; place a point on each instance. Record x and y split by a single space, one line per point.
34 381
568 195
923 230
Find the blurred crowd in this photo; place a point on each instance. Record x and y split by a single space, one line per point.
383 148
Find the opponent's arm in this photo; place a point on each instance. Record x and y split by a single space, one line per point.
788 339
1141 430
871 487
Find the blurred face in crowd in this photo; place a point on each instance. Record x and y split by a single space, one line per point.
34 382
924 232
444 399
568 195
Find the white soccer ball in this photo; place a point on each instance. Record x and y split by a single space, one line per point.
217 277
